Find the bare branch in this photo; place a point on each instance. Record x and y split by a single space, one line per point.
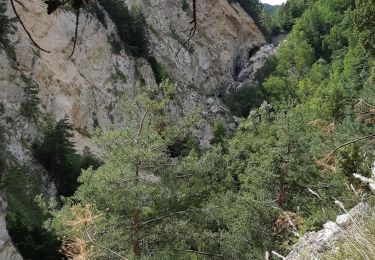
192 30
20 3
76 32
327 162
24 27
352 142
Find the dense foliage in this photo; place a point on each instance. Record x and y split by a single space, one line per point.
273 20
25 219
57 154
276 177
131 26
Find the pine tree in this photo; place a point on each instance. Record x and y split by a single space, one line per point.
56 153
154 204
30 106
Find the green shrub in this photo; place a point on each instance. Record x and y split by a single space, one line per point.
159 71
119 75
25 219
219 132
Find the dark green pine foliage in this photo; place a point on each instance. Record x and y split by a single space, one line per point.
25 219
364 19
6 28
57 154
30 105
131 26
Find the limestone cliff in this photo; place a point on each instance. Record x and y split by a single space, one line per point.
89 86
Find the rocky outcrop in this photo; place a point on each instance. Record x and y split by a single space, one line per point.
88 86
249 67
316 245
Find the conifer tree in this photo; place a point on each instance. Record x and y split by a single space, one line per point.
57 154
151 202
29 107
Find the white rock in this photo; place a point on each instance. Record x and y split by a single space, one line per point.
343 220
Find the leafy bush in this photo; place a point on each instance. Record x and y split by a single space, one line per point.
25 219
364 20
57 154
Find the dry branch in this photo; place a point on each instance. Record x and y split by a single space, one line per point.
25 29
193 28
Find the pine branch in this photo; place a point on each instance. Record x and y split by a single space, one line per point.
102 247
199 252
352 142
175 213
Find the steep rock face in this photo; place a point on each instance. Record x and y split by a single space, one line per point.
88 86
225 35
